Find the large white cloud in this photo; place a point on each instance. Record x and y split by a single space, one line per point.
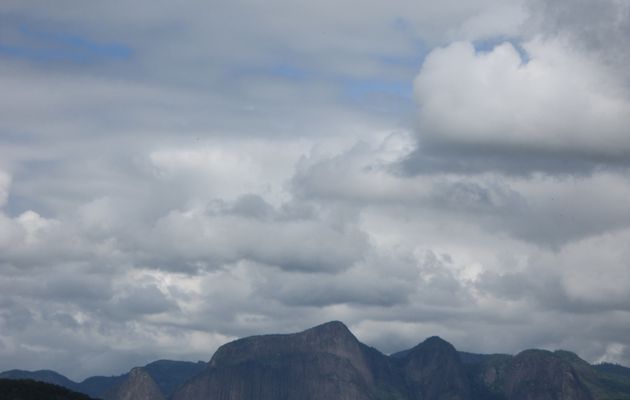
556 101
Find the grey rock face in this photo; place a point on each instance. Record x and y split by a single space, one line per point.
137 386
540 375
325 362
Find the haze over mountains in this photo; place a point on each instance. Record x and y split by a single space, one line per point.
328 362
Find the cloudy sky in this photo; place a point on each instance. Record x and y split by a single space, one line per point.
174 175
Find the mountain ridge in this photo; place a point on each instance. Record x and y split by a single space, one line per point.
329 362
168 375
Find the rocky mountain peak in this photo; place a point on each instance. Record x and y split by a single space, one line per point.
436 341
324 362
433 350
332 337
137 386
433 370
333 328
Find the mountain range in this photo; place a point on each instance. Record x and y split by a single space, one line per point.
328 362
167 375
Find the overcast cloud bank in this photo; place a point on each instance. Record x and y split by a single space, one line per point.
175 177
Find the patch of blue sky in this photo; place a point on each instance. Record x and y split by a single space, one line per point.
413 62
418 47
487 45
280 70
16 137
39 45
289 71
353 89
385 97
18 204
356 88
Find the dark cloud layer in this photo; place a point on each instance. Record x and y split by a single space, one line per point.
172 177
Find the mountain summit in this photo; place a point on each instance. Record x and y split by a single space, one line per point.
324 362
433 370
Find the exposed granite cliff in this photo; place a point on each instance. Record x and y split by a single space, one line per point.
540 375
138 385
325 362
530 375
328 362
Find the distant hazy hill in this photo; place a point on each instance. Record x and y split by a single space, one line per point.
26 389
327 362
46 376
167 374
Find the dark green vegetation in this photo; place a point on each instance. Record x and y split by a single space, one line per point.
42 376
27 389
328 363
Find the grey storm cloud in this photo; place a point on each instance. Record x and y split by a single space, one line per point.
305 244
175 176
601 28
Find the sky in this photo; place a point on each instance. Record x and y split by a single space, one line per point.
175 175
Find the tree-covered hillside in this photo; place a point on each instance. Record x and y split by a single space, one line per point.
26 389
